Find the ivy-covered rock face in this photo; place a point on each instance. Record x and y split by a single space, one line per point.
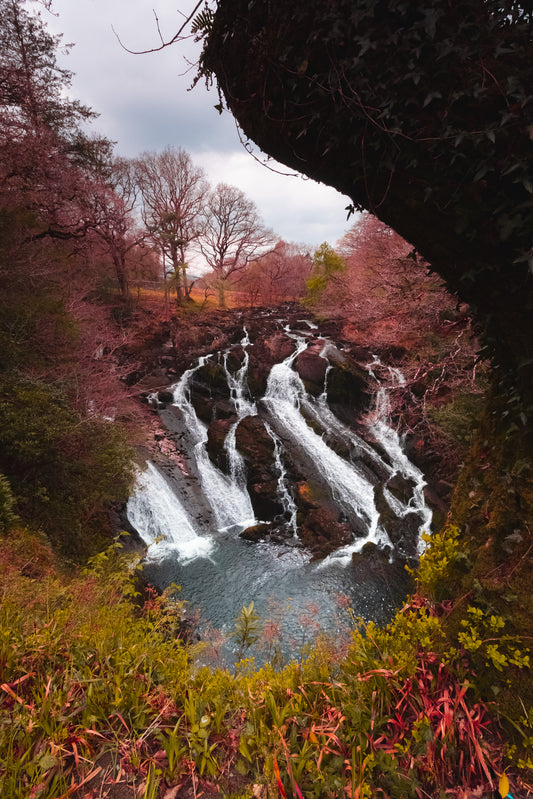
421 113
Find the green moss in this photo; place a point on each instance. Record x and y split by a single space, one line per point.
460 418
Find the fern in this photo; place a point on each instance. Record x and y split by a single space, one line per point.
202 24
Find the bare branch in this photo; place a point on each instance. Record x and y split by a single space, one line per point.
177 36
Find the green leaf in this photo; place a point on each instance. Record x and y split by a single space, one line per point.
47 761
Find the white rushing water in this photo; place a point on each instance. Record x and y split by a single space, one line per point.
162 522
227 496
307 426
238 388
290 511
388 437
286 400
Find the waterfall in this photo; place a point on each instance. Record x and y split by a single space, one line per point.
162 522
286 499
238 383
238 388
227 496
305 427
390 440
285 400
189 516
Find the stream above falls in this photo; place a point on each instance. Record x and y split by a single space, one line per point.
288 486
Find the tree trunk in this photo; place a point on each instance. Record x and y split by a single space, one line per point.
119 262
176 274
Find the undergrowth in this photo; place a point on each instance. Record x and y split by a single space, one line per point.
100 692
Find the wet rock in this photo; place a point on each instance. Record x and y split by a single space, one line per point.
208 386
234 359
348 385
305 496
265 352
165 397
372 466
216 436
374 562
322 533
257 448
402 531
256 533
312 370
203 406
401 487
280 346
371 557
212 376
265 500
222 409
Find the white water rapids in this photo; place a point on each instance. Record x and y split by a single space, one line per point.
200 548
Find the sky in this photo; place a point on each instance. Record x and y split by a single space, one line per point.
145 104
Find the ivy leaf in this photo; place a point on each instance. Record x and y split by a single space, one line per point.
430 97
350 209
430 23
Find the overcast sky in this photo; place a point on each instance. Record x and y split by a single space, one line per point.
144 104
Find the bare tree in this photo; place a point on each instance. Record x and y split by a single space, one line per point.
173 192
233 234
111 199
279 274
387 283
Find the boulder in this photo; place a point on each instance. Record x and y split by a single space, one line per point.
165 397
373 562
208 386
234 359
348 385
402 530
312 370
216 436
257 449
256 533
401 487
322 533
265 500
280 346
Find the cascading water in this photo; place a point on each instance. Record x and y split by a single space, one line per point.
390 440
162 522
195 542
290 511
287 400
237 384
227 496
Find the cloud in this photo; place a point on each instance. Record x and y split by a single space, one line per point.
144 105
297 209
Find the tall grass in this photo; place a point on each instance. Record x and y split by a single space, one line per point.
98 689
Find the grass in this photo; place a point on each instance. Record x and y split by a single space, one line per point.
98 690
